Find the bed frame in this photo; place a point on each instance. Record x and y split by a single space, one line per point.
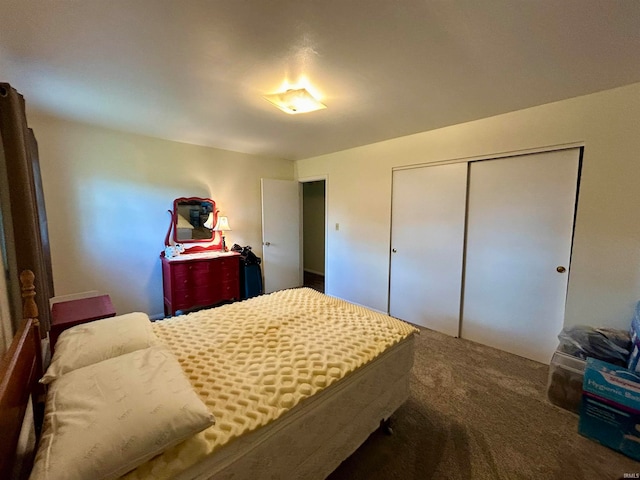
20 370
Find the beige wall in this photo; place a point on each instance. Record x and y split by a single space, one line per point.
107 194
313 226
604 280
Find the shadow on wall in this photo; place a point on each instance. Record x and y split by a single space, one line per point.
121 229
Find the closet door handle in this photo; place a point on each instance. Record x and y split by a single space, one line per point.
561 269
394 250
267 244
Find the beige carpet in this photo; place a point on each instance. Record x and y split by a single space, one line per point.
480 413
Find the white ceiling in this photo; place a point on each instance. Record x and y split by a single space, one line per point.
195 71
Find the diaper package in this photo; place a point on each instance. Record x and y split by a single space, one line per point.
610 410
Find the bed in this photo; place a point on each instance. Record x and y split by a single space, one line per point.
296 381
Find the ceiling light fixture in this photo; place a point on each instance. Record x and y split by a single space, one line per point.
295 101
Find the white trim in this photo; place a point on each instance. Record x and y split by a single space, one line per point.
359 304
314 272
496 155
313 178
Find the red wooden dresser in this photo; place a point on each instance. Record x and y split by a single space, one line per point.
200 280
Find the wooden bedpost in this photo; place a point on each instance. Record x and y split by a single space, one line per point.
29 306
30 311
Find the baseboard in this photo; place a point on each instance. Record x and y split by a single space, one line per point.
359 304
314 272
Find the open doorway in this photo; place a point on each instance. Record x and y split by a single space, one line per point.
313 233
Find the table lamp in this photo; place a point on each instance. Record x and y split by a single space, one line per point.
222 225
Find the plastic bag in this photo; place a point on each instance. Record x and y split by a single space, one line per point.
634 358
607 344
635 324
247 256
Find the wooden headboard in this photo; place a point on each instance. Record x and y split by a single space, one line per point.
20 370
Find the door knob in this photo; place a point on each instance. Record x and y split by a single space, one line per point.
394 250
561 269
266 244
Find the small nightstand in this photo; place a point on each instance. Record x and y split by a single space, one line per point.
74 312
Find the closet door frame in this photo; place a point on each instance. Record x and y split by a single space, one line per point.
469 161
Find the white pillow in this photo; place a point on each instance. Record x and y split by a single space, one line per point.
99 340
106 419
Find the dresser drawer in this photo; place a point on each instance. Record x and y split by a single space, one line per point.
192 275
191 269
229 275
196 296
228 264
229 269
230 290
205 295
200 283
182 301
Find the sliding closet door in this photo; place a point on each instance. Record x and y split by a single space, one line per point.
520 226
427 239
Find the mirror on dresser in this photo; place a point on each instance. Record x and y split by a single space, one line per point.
192 220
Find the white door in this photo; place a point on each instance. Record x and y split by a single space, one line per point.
427 240
519 233
280 234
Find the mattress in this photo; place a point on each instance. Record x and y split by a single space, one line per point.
255 361
312 439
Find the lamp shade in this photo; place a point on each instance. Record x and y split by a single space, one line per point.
222 225
209 223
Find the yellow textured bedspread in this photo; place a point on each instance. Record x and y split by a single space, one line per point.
252 361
